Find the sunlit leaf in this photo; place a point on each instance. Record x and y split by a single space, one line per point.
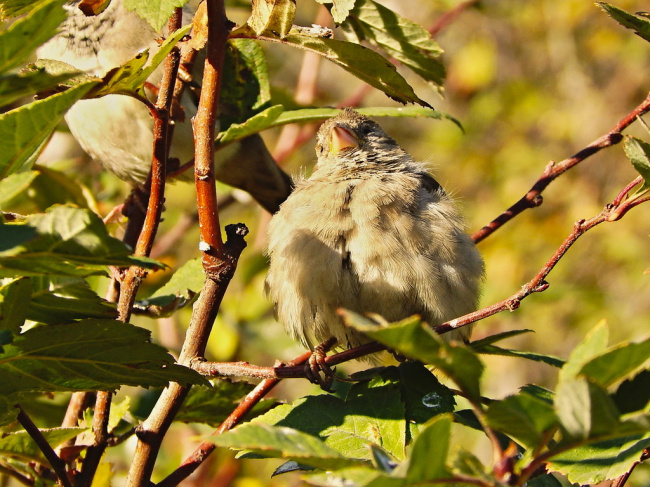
272 17
638 152
639 24
15 296
24 130
22 37
156 12
87 355
21 444
429 455
283 442
402 39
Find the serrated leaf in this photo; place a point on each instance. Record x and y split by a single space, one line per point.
16 86
638 152
61 300
640 25
594 463
156 12
584 409
88 355
354 476
64 241
15 296
523 416
272 17
21 445
618 363
118 411
131 76
364 63
15 184
283 442
429 455
468 464
22 37
400 38
372 414
24 130
211 405
416 340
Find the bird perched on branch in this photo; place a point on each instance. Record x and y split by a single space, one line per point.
370 231
116 130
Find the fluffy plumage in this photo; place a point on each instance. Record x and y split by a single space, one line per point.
370 231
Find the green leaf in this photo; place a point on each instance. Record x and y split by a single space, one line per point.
15 296
402 39
212 405
640 25
22 446
467 464
597 462
545 480
618 363
364 63
594 344
305 115
87 355
24 130
638 152
416 340
52 187
283 442
184 284
424 396
22 37
131 76
256 123
523 417
64 241
429 455
26 83
373 413
156 12
61 300
14 185
118 411
585 409
354 476
272 17
536 357
478 345
245 89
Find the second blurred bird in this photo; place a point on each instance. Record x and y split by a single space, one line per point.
116 130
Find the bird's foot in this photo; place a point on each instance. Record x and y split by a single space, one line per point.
316 370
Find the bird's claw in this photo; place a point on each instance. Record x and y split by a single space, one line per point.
316 370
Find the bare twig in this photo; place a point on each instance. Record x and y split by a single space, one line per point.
57 464
533 197
448 17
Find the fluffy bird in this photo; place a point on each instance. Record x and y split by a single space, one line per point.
370 231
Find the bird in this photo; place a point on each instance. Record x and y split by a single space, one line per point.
117 130
369 231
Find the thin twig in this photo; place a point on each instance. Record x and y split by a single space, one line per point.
57 464
9 472
533 197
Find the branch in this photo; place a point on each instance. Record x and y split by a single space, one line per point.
219 259
612 212
533 198
57 464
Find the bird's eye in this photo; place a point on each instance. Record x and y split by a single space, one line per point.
365 128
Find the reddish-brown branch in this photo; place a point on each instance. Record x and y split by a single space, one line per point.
533 197
448 17
32 430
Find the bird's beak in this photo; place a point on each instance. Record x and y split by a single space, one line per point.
342 138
